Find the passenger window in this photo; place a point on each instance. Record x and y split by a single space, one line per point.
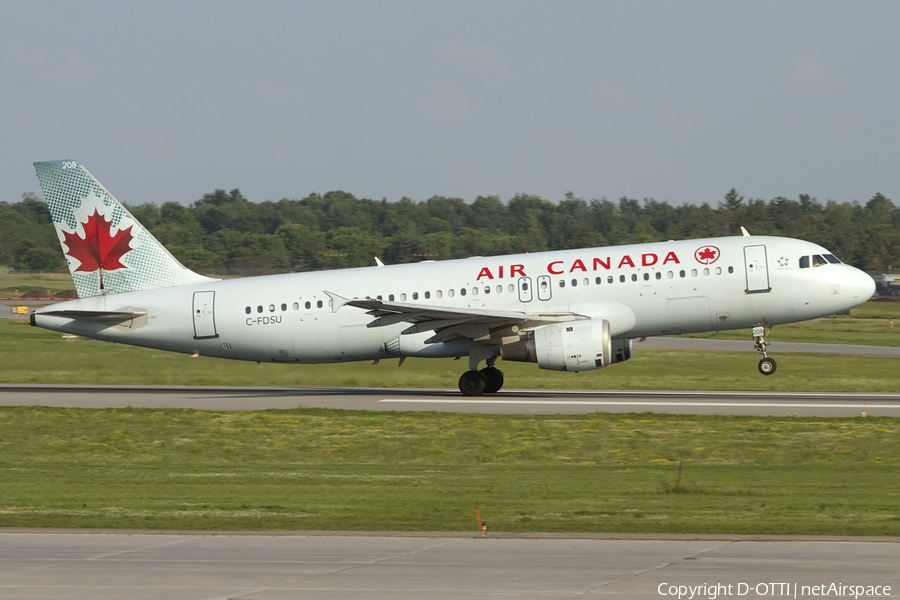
670 275
403 297
390 298
415 295
562 283
283 307
487 289
319 304
308 305
634 277
462 291
378 297
681 273
706 271
259 308
621 279
819 260
271 308
804 262
586 281
296 306
500 289
474 291
693 272
718 270
646 276
574 282
731 269
247 310
427 295
659 274
511 288
450 292
598 281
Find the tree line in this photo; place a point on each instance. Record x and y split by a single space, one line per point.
224 233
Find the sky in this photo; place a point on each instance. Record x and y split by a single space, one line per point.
676 101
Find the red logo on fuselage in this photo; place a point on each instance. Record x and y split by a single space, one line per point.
707 255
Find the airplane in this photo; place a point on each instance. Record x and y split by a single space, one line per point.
566 310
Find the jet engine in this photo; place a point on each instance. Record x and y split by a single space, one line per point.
572 346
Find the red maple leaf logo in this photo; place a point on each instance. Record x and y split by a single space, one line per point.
98 249
707 255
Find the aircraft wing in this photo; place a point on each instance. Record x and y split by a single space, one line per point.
452 323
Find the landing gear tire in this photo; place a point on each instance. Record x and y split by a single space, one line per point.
767 366
493 379
472 383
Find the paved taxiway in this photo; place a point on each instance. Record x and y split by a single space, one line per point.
504 402
83 566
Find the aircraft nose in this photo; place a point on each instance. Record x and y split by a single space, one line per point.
862 286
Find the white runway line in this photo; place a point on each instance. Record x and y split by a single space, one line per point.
630 403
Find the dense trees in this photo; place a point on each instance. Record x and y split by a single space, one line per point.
225 233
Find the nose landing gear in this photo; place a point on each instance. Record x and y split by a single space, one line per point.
767 365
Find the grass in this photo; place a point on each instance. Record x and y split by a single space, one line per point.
32 355
23 284
349 470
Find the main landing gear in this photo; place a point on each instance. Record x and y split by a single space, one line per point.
767 365
486 381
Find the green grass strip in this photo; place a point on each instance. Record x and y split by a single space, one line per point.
349 470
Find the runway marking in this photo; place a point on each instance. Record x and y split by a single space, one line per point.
632 403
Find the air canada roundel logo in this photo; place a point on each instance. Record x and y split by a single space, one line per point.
707 255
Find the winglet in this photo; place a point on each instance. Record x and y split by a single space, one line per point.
336 301
744 232
378 262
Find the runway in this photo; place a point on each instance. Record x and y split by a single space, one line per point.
504 402
83 566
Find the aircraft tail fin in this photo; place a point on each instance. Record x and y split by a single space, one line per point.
107 250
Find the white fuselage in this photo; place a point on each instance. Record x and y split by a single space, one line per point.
642 290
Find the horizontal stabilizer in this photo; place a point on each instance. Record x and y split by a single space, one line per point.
97 316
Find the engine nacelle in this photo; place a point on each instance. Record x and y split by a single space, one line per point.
572 346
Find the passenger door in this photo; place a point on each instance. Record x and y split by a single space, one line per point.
204 315
756 269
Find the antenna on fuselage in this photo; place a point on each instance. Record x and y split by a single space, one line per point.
744 232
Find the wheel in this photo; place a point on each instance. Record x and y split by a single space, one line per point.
493 379
767 366
472 383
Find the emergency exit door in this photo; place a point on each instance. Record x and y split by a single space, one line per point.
204 315
525 291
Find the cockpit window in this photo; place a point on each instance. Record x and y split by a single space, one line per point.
832 259
804 262
819 260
